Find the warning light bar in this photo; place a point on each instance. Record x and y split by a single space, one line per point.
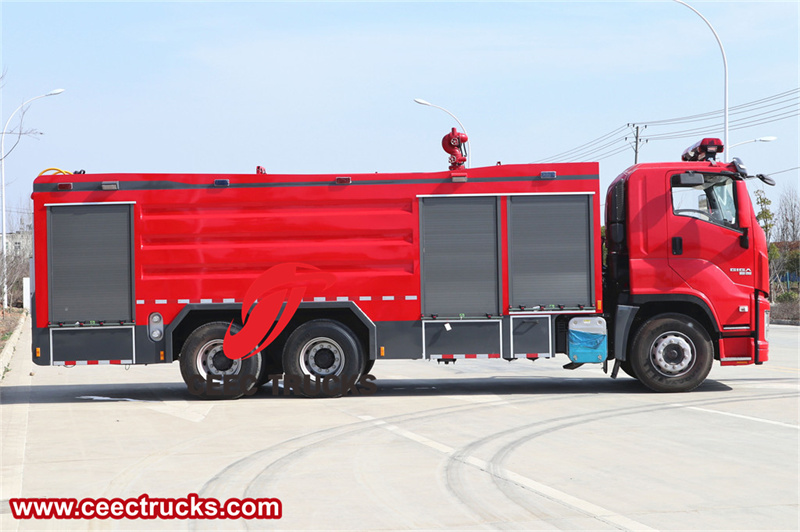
705 150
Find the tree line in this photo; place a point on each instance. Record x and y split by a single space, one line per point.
782 227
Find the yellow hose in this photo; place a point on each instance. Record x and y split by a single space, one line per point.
56 171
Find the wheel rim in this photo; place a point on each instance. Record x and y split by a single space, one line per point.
212 361
673 354
322 357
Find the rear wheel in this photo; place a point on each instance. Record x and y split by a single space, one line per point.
209 373
672 353
324 358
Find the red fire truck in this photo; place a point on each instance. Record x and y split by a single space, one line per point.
318 276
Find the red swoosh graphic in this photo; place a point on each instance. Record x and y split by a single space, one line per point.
278 285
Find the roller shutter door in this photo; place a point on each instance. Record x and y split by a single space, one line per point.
550 251
90 262
459 256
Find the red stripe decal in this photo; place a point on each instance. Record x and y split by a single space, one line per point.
494 355
470 356
92 362
447 356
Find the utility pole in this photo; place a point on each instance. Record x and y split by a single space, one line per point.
637 141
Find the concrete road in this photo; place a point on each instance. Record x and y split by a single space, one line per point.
475 445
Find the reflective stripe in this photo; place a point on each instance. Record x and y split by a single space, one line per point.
90 362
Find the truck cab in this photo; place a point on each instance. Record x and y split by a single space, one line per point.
687 269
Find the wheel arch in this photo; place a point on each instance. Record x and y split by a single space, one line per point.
686 305
194 315
345 312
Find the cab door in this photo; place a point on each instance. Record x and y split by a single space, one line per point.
709 245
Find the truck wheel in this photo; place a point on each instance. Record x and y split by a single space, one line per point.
325 356
209 373
625 365
672 353
368 366
271 364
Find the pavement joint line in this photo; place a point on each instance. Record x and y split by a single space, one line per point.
740 416
15 420
586 507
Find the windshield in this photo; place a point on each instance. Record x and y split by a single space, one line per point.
714 201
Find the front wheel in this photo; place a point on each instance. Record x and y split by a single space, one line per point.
625 365
672 353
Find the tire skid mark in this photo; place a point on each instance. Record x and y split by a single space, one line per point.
465 457
500 475
249 471
273 470
275 458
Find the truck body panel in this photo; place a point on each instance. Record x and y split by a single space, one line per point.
402 247
320 275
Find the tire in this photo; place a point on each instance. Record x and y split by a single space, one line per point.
625 365
271 364
672 353
202 356
325 356
368 366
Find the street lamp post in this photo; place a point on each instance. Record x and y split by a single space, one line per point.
469 148
725 66
760 139
3 185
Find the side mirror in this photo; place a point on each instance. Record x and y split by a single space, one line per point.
766 179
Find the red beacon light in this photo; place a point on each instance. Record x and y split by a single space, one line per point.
705 150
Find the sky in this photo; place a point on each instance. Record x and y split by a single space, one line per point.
202 87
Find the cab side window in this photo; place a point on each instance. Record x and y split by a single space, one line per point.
712 201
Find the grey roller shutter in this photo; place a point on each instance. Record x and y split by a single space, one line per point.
90 261
459 256
550 250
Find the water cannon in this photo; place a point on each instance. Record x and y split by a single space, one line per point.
454 143
705 150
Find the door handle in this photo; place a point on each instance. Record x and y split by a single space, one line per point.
744 240
677 245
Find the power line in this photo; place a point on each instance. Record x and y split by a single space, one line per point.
784 171
794 108
612 153
793 103
606 145
602 147
735 125
720 112
584 146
